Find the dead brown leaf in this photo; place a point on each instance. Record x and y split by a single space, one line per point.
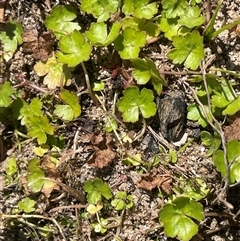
51 171
48 187
150 182
233 130
49 167
101 158
40 47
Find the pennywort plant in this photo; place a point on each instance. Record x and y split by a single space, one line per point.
126 28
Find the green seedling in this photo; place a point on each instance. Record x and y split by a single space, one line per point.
178 218
71 109
98 86
11 169
99 227
233 107
96 190
93 209
122 201
39 127
135 102
111 125
27 205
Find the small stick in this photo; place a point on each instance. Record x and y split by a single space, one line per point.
93 97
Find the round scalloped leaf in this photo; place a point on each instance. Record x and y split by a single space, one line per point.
60 20
99 36
74 49
134 101
100 9
129 43
188 49
177 218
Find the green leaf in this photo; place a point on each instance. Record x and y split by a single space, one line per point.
98 86
11 166
60 20
41 150
10 37
100 227
35 176
38 126
172 156
177 218
118 204
145 10
99 36
194 188
96 189
208 32
195 113
192 18
188 49
57 74
213 142
74 49
227 89
100 9
233 158
33 109
92 209
219 101
133 161
134 101
70 111
174 8
151 28
122 201
110 125
144 70
6 90
128 44
27 205
171 27
233 107
139 8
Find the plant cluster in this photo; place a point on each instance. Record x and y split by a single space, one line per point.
124 29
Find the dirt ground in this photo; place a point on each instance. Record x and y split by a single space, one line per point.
86 135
